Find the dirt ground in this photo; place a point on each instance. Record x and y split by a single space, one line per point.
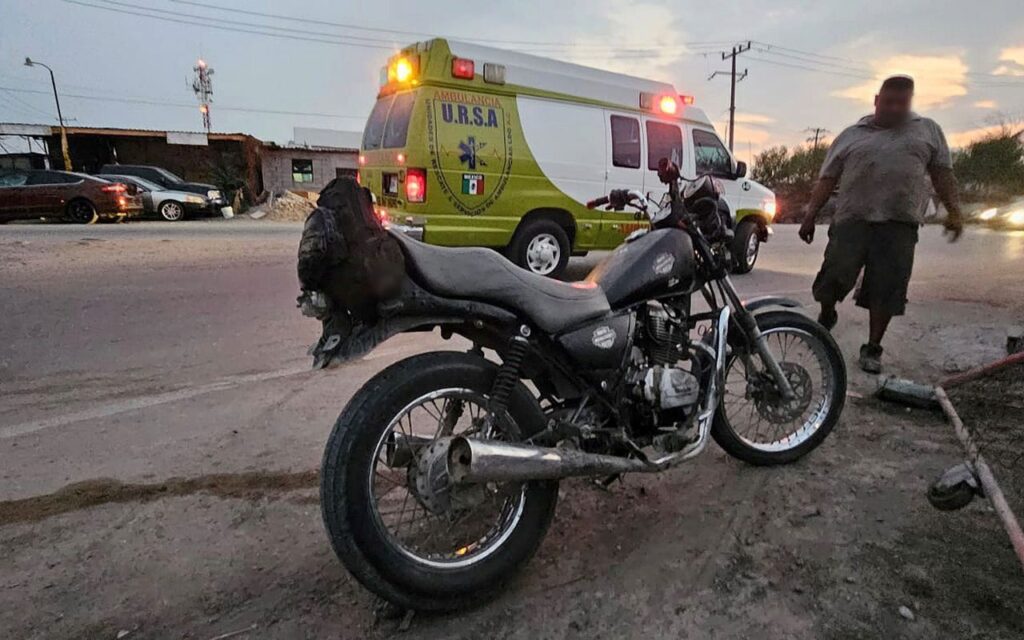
831 547
142 495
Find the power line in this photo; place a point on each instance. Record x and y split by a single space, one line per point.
805 68
341 25
8 104
165 103
26 105
338 39
389 44
225 28
820 59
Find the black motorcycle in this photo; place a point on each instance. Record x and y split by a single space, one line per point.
441 474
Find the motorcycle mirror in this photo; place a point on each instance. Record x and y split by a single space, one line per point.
668 171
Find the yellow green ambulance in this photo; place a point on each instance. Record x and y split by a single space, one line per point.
469 145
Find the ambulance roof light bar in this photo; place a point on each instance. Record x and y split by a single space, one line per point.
666 104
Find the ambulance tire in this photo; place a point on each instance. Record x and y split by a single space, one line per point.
746 246
541 246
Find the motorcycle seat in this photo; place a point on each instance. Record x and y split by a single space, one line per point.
484 275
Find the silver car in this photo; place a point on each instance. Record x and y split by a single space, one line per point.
170 205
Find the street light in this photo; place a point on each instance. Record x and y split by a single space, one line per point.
29 62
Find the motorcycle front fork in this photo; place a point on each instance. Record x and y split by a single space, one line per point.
748 323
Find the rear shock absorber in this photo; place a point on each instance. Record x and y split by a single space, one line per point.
506 380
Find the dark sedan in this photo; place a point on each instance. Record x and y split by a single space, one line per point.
74 197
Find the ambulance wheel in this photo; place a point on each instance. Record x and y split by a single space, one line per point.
542 247
746 245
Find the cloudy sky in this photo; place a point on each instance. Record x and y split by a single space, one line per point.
126 63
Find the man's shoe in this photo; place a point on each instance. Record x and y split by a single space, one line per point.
871 358
828 318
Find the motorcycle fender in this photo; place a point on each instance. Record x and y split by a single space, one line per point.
761 302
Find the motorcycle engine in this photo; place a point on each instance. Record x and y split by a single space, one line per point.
669 392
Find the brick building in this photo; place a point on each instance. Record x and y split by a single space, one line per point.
305 168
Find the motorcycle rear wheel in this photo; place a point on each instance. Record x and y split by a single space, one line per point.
405 563
757 427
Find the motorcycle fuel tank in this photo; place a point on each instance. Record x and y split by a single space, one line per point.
655 263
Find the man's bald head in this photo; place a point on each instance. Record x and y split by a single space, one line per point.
893 102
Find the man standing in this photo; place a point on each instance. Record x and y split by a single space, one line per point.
879 166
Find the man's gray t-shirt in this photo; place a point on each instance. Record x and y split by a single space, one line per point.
882 171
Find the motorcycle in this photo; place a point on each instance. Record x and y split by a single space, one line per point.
440 477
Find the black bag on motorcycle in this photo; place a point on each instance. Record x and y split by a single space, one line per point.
347 262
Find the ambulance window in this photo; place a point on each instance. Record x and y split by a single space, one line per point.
397 127
710 154
625 142
663 141
375 125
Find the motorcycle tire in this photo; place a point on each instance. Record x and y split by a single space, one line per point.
738 447
355 530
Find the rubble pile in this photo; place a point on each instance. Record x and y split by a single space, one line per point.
283 207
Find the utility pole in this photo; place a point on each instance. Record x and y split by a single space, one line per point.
29 62
736 50
818 134
202 86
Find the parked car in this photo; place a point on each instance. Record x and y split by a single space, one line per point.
75 197
170 204
170 181
1009 216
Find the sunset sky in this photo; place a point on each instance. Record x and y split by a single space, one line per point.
813 64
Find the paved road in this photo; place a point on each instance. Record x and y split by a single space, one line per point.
153 350
141 353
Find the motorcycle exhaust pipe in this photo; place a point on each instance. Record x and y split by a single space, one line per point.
400 450
471 460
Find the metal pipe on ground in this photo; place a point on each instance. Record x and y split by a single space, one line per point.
984 472
924 396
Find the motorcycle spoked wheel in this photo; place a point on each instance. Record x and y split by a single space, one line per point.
752 423
383 522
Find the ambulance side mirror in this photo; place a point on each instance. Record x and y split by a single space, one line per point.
741 169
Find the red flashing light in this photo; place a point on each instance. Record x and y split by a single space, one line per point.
400 158
359 178
362 160
416 185
463 68
382 214
668 105
687 100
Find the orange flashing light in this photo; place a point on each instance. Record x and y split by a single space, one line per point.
668 105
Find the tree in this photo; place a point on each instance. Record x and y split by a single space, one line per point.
771 165
790 174
992 167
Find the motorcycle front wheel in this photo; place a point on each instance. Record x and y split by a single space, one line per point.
753 422
394 519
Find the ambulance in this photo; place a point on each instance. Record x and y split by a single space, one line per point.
469 145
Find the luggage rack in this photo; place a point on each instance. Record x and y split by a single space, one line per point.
985 448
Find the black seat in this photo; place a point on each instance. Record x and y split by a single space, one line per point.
485 276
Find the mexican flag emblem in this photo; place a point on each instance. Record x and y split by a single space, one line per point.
473 184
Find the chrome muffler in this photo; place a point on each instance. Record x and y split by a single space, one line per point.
471 460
